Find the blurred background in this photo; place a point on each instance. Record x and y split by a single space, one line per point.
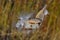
10 11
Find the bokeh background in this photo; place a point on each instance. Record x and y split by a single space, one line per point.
10 10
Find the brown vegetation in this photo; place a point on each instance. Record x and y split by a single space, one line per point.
10 10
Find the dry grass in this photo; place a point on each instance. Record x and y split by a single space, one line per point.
49 30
